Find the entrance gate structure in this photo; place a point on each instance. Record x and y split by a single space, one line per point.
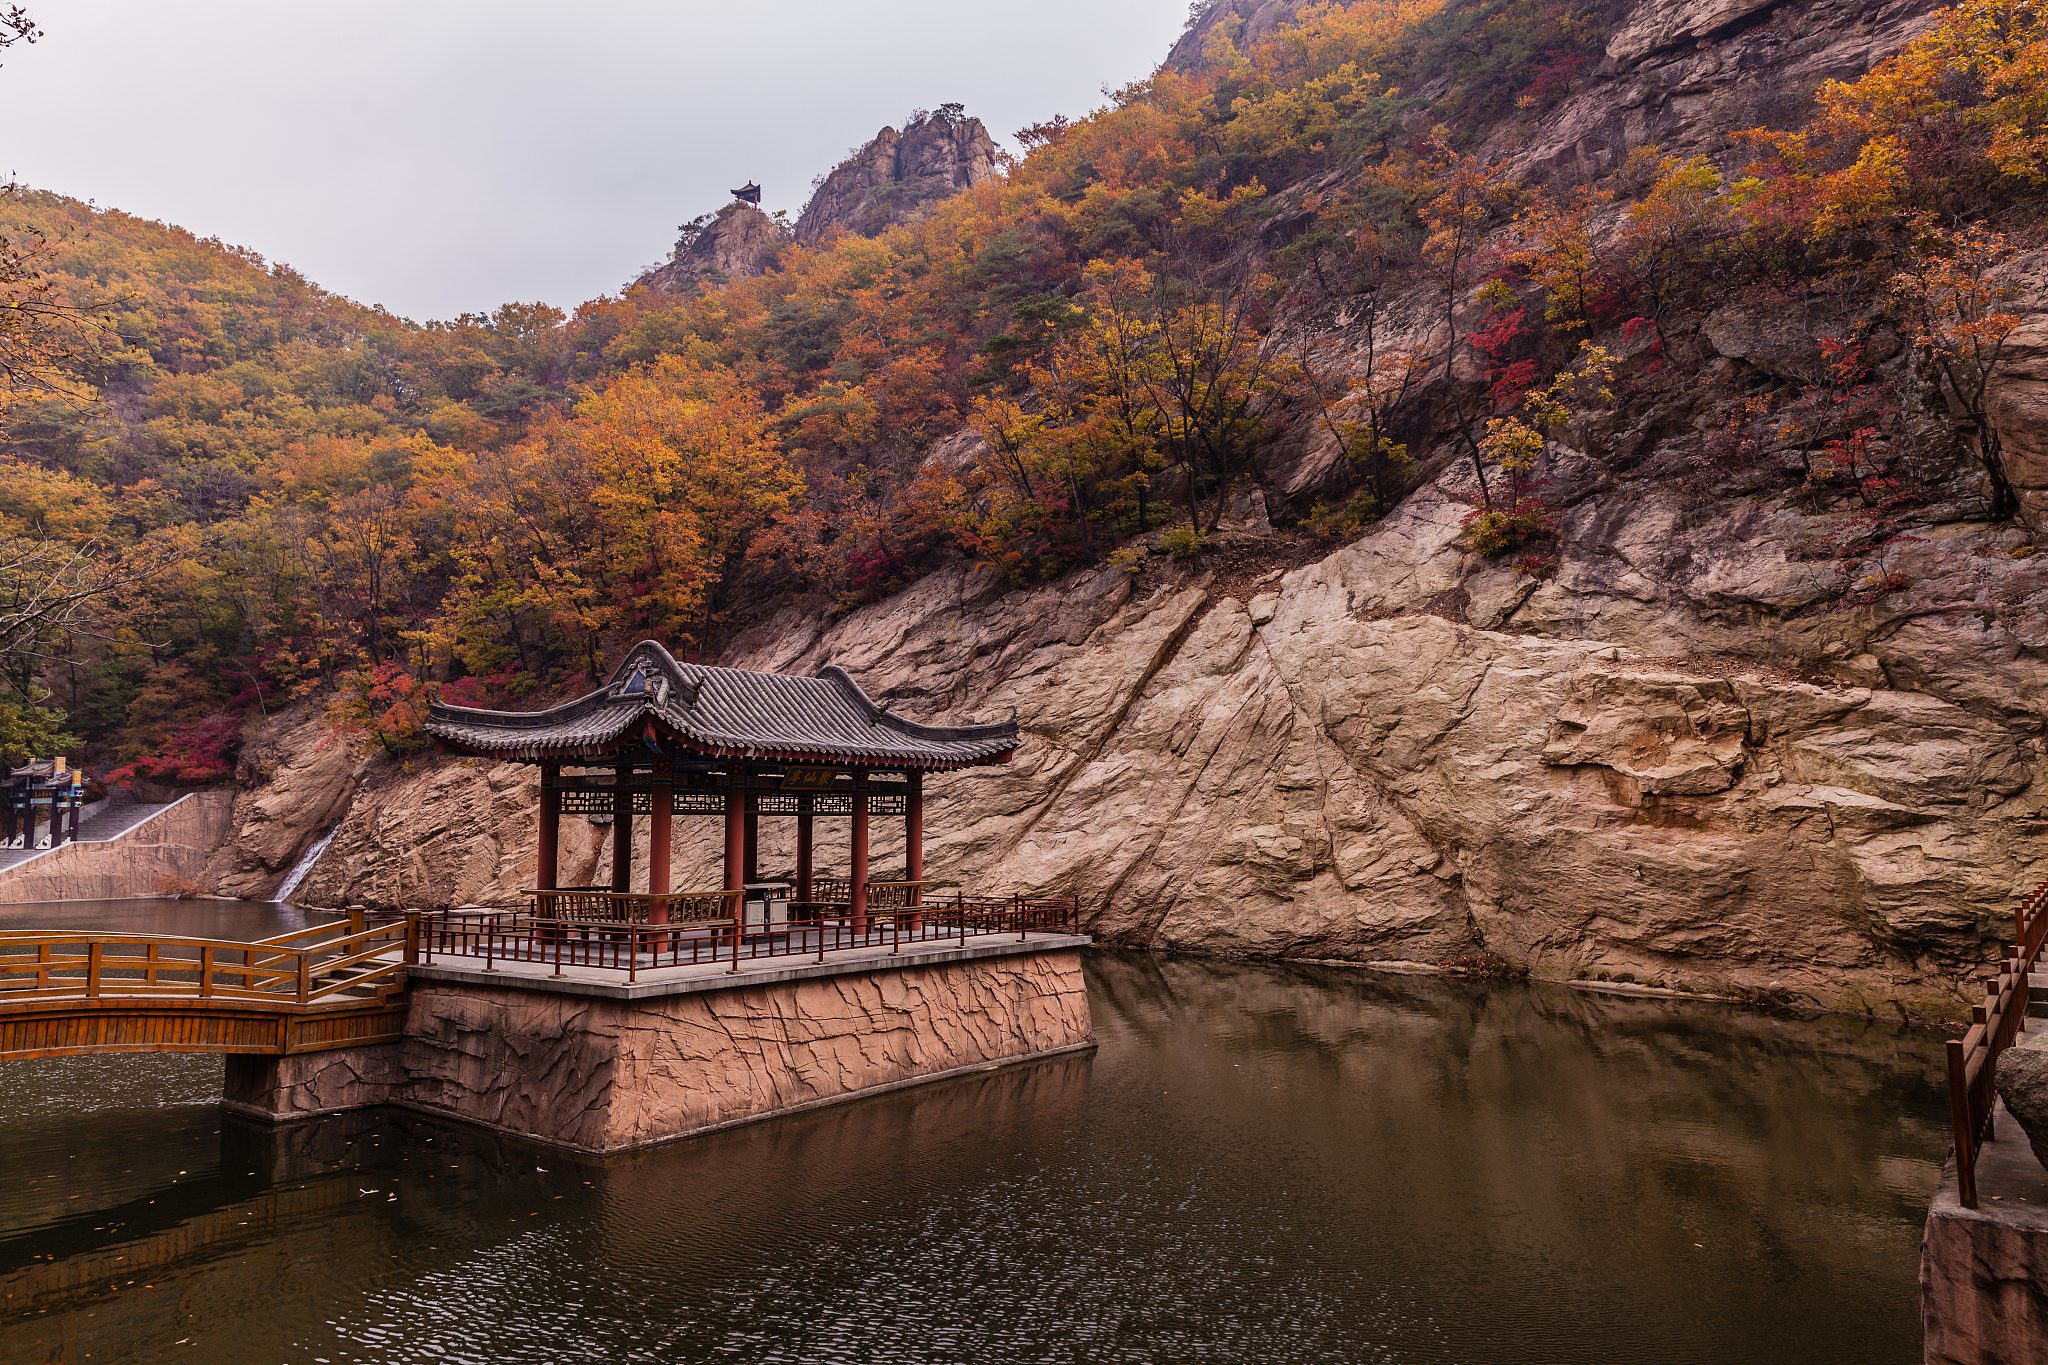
664 739
41 796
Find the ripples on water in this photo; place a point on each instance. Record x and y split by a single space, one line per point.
1262 1163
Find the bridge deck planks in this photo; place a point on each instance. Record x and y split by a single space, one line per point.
56 1028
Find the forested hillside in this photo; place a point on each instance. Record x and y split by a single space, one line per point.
1330 238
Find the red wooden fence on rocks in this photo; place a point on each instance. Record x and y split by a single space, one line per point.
1973 1058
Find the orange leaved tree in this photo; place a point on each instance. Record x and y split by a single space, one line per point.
1952 296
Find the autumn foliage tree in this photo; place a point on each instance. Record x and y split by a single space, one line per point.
1951 295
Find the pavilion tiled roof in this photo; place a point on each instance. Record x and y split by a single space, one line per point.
727 712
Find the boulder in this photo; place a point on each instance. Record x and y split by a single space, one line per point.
2023 1085
1658 24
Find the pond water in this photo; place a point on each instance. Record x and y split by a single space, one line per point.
1261 1163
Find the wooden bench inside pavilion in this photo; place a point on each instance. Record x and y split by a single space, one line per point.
663 739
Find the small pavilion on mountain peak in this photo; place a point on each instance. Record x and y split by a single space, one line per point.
663 738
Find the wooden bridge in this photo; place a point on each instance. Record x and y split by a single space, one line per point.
64 992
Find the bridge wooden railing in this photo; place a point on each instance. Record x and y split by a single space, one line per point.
1973 1058
332 963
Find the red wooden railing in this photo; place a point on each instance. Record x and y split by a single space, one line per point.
810 931
1973 1058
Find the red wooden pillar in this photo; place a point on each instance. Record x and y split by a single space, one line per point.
913 842
735 843
752 861
659 821
548 875
803 847
858 874
622 830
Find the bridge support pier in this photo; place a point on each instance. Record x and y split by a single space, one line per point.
304 1085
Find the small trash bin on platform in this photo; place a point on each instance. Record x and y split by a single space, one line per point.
764 904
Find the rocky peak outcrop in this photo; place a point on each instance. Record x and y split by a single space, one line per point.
896 174
738 243
1259 18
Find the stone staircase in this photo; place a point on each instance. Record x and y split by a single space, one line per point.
101 821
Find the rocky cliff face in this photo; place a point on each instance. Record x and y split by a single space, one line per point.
738 243
1684 758
1678 74
893 176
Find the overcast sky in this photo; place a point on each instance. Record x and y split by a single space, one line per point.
443 156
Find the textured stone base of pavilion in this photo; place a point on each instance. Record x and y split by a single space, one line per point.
1984 1271
600 1066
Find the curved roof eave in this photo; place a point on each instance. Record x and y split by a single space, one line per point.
727 712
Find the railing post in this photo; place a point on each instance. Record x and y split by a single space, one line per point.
1965 1128
205 973
412 937
92 968
305 976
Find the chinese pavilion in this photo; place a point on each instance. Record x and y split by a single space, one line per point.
663 738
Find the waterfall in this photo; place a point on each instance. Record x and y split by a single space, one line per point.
304 865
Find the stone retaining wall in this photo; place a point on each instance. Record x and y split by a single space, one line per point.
171 846
607 1072
1984 1271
